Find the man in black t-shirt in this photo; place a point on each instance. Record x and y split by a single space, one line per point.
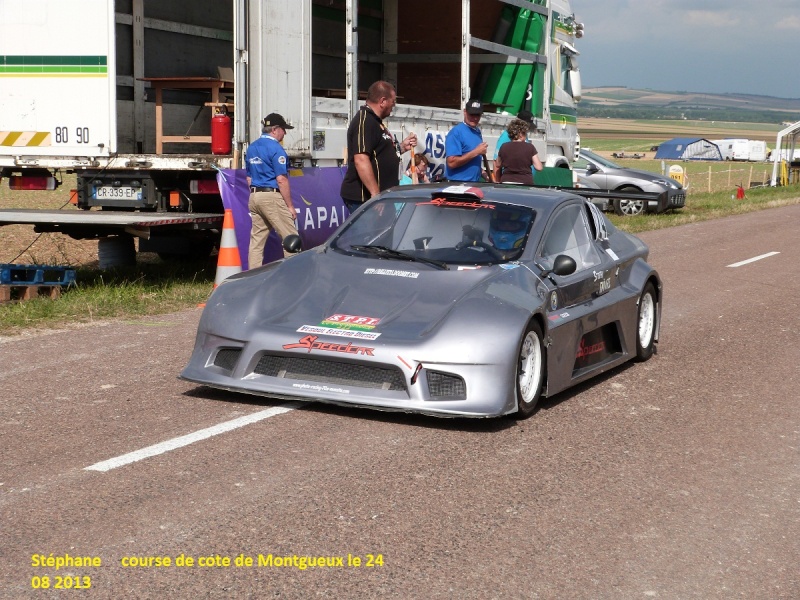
373 154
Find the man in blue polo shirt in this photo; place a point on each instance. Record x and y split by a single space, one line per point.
464 146
270 201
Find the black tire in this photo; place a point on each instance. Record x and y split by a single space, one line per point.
530 372
629 208
646 323
198 251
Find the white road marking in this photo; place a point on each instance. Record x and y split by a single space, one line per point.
754 259
191 438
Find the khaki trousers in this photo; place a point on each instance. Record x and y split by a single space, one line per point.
268 211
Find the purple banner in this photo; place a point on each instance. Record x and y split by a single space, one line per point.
315 195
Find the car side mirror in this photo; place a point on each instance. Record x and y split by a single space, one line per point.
292 243
591 169
564 265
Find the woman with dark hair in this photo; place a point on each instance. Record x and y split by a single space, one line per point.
516 158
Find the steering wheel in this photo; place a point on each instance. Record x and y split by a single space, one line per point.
494 252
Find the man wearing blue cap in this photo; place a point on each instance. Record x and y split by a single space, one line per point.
465 148
270 201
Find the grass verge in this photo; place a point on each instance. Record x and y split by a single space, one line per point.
703 207
147 289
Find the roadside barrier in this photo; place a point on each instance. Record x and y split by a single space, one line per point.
228 262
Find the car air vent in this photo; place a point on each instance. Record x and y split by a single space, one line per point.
445 385
226 358
329 371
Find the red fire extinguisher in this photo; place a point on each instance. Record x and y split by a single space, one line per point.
221 133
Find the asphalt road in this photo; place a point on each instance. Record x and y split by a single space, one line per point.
676 478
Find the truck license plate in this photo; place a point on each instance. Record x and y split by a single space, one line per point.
108 192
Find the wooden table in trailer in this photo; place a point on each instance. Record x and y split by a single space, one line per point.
159 84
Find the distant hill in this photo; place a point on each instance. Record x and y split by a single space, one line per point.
622 102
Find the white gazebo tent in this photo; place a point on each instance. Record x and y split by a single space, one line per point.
791 134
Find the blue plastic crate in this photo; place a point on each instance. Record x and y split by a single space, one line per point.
35 275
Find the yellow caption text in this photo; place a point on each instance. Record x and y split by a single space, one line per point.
292 561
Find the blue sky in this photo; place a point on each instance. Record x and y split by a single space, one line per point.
711 46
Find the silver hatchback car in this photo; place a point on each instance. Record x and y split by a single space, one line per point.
607 175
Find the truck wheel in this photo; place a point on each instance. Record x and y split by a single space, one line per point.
116 251
169 257
198 251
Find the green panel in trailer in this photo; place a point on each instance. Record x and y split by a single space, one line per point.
553 177
507 86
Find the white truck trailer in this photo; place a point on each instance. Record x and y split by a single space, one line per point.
756 150
127 95
742 149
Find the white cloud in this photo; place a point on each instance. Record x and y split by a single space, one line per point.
708 18
710 46
791 22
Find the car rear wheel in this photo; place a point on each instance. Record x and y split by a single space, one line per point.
646 323
629 208
530 371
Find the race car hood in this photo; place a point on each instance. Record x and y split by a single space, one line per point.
325 289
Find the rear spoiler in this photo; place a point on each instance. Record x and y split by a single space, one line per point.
459 193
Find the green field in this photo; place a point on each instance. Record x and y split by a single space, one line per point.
617 134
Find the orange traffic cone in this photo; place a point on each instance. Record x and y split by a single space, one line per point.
228 263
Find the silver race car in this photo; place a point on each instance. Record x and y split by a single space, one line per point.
439 299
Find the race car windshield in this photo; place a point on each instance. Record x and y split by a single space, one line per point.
600 160
450 231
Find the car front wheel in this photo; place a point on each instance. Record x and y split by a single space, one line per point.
646 323
629 208
530 371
